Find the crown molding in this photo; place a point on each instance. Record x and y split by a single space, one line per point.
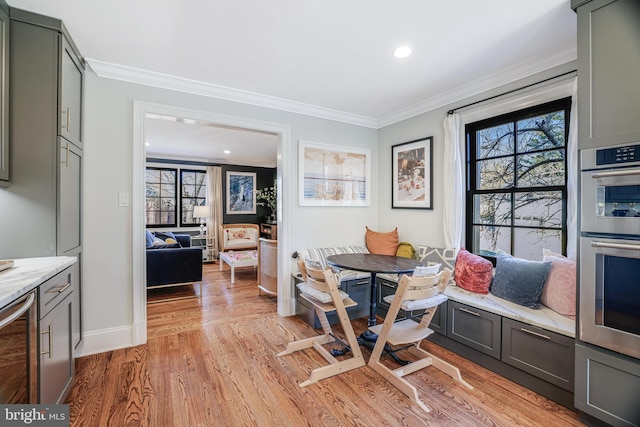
476 87
151 78
506 76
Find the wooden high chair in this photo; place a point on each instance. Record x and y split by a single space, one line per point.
423 292
327 282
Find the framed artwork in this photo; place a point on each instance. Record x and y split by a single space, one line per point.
330 175
241 194
412 174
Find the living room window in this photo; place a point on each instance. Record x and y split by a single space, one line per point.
517 183
161 197
193 192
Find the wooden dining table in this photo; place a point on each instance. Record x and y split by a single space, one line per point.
373 264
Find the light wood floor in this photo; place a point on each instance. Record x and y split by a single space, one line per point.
212 362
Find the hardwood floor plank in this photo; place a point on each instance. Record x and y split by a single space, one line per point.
212 362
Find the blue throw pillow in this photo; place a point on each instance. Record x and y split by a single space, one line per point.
149 238
519 281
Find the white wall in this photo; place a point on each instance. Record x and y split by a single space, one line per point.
108 131
108 269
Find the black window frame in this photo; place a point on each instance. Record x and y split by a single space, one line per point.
471 130
175 192
183 212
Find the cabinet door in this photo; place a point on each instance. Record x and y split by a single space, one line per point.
607 386
70 203
608 70
56 359
70 94
474 328
542 353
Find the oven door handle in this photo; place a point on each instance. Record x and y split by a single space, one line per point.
13 316
615 246
607 174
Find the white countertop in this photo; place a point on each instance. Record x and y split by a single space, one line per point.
29 273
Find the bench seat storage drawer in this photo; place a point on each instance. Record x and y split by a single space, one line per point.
474 328
542 353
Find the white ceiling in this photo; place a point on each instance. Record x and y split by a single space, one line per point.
331 58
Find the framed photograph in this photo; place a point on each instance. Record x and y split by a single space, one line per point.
241 194
331 175
412 174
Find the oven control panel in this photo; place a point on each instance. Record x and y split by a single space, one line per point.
618 155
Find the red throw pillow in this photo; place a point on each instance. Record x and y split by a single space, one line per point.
472 272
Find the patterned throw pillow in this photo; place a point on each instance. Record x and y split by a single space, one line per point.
559 291
239 233
382 243
472 272
519 281
444 256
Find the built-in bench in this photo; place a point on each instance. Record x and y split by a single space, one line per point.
532 347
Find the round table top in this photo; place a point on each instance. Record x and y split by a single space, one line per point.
373 263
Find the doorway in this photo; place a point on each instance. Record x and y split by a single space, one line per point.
143 110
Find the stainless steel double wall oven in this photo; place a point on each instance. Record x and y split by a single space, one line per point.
610 249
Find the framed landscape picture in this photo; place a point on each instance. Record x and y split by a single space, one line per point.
412 174
330 175
241 194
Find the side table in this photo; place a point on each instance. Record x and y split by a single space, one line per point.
206 243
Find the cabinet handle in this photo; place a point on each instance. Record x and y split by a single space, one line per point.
470 312
530 332
622 246
58 289
66 161
625 172
50 333
68 113
388 285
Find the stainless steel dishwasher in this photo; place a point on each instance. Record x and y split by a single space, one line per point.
18 350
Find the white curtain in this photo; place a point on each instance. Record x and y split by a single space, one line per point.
572 176
453 180
214 201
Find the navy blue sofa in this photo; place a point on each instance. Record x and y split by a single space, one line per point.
174 265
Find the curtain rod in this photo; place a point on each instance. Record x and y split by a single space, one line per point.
453 110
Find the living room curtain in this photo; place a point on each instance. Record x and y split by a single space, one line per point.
453 180
214 201
572 175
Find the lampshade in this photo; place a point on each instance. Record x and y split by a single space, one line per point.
201 212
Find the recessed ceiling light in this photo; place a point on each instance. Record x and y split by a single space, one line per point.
402 52
227 152
147 144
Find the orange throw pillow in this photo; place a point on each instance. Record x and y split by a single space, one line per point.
382 243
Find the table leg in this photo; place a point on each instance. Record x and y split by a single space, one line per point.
221 264
233 275
373 302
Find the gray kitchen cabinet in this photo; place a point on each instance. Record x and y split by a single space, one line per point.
56 362
607 385
608 70
43 205
4 94
542 353
474 328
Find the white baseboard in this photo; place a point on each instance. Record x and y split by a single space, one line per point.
105 340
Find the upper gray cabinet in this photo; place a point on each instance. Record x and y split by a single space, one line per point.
4 95
70 121
608 72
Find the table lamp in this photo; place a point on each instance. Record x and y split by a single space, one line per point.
201 212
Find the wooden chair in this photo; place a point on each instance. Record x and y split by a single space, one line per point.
327 280
424 292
